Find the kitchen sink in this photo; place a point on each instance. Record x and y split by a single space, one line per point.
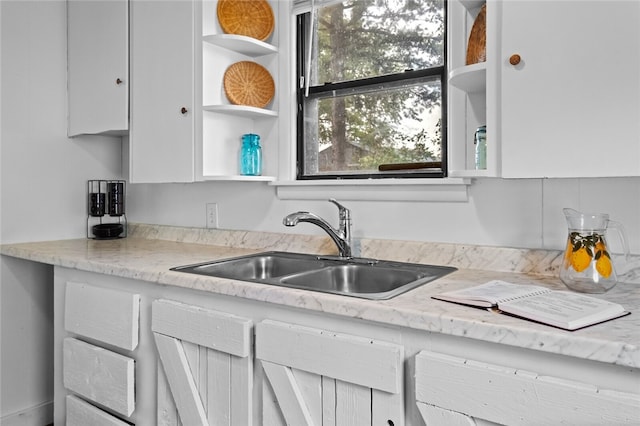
259 267
357 277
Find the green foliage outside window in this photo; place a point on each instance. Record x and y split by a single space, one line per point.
376 119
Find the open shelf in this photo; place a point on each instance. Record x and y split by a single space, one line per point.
241 178
242 44
470 78
241 111
472 4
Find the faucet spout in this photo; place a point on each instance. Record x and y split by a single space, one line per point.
341 236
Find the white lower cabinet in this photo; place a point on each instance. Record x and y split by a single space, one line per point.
452 390
135 352
319 377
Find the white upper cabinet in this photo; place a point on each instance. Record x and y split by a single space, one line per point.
98 67
164 71
568 106
571 107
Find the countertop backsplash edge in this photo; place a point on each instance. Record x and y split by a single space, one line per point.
501 259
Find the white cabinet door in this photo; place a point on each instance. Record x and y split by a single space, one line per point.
98 66
571 107
322 378
205 373
468 392
163 74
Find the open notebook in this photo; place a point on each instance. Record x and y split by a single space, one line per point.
562 309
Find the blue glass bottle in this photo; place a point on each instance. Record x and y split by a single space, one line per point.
251 155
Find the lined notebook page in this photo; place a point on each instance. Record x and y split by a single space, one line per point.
492 293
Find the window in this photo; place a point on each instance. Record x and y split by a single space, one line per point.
371 93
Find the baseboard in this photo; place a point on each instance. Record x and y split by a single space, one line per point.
40 415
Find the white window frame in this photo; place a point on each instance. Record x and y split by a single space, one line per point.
445 189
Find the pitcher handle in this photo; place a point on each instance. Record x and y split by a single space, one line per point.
619 229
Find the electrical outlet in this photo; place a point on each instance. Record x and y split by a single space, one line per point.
212 215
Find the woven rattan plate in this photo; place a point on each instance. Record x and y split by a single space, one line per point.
477 47
253 18
248 83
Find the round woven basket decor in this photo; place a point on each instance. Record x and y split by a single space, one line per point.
477 47
253 18
248 83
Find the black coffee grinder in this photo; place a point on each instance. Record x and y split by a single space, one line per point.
106 204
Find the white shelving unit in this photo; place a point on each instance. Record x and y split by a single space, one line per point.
224 123
469 98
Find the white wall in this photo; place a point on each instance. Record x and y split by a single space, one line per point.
43 177
512 213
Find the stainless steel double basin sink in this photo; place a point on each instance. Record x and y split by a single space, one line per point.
357 277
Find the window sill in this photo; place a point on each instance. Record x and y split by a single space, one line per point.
448 189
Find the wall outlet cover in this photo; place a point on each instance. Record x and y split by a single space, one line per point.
212 215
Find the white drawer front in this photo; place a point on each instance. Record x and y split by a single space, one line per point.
81 413
99 375
107 315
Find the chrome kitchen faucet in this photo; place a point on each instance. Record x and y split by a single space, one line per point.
341 236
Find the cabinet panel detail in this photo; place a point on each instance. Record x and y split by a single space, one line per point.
216 330
205 374
181 381
110 316
310 380
511 396
439 416
81 413
297 397
288 394
370 363
99 375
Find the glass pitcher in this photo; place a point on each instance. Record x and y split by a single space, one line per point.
587 266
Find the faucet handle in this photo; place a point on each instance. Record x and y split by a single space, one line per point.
344 212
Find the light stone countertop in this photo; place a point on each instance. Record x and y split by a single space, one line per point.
150 251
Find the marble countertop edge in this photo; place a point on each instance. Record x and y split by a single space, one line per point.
144 256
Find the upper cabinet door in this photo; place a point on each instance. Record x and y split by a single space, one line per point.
98 66
570 106
163 71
